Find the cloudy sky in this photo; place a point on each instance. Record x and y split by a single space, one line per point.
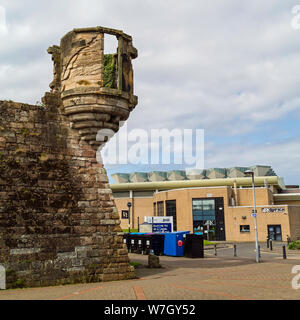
229 67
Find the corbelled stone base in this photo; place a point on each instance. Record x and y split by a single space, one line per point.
58 220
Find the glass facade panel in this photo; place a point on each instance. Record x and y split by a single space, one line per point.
203 209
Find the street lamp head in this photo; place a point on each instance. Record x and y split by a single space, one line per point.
249 173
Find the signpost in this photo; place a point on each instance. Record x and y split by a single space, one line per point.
254 212
129 206
161 227
160 224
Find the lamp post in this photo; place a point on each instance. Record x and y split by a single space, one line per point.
129 206
251 174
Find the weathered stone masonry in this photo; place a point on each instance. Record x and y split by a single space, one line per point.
58 220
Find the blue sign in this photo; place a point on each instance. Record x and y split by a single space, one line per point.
161 227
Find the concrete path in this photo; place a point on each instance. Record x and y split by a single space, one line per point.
220 277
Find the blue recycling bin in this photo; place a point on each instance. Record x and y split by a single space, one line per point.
174 243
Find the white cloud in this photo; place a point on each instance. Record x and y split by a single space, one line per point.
225 66
282 156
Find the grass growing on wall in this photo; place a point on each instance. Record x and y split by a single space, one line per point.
109 74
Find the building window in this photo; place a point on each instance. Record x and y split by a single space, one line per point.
204 209
160 209
154 209
121 194
245 228
171 212
142 194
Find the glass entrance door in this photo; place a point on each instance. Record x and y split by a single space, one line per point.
208 218
274 232
208 231
204 218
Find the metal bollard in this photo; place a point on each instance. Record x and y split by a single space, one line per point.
234 250
259 256
271 244
215 249
283 252
268 242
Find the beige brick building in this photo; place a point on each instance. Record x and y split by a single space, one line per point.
226 201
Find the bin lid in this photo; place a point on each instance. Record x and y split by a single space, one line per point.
177 232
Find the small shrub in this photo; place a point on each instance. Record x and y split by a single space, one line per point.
295 245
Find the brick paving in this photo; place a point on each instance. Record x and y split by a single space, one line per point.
211 278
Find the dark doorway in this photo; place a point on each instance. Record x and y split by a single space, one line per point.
208 218
171 212
274 232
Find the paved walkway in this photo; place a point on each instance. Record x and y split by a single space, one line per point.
219 277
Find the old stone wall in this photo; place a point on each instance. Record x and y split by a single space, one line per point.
58 221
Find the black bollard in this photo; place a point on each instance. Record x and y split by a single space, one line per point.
268 242
259 256
271 245
215 249
283 252
234 250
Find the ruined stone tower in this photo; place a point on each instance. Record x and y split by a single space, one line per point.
58 220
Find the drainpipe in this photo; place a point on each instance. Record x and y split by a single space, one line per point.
236 195
266 184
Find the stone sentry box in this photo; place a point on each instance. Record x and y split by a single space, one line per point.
96 89
58 220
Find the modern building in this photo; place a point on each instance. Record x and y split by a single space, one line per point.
219 200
